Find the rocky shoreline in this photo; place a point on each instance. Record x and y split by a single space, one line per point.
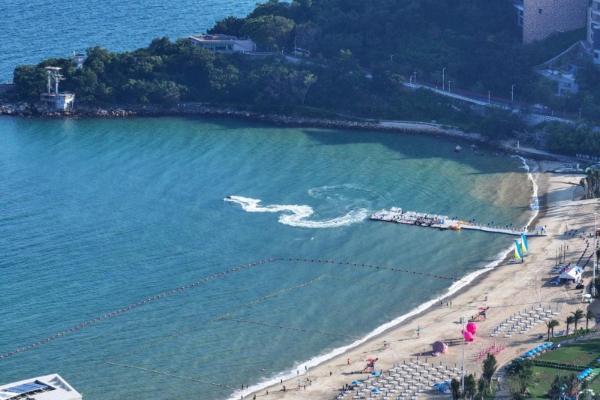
23 109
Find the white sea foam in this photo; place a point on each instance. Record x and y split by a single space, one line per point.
298 215
535 201
454 288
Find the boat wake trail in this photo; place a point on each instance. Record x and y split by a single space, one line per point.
298 215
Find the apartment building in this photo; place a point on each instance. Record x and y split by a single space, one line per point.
541 18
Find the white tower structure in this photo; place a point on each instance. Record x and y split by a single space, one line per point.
78 59
54 100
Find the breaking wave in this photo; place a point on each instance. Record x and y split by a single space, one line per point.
298 215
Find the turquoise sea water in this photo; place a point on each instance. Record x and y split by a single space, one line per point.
99 214
32 30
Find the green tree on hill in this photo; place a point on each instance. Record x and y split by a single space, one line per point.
30 82
270 32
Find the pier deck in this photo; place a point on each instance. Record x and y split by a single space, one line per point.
442 222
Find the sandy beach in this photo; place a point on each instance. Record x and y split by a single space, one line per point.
506 290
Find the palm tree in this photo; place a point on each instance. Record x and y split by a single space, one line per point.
577 316
569 321
551 325
589 315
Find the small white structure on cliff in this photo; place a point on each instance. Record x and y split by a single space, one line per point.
48 387
220 43
53 99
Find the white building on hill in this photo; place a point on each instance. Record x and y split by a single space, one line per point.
48 387
224 43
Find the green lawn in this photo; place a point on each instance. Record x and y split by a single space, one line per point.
583 354
543 378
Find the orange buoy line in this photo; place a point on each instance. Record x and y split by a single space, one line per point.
158 372
369 266
207 279
132 306
285 327
224 316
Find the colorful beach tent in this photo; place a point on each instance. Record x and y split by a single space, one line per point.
571 274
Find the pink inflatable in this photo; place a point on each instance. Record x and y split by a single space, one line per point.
472 327
468 336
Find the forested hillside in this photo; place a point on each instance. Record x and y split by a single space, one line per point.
360 54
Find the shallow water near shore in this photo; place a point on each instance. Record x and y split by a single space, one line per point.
96 215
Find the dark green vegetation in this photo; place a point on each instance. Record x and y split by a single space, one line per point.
361 53
572 140
591 184
477 389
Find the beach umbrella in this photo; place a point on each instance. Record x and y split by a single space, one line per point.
472 327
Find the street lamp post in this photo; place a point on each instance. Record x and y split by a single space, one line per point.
462 365
443 78
489 97
449 89
512 93
595 254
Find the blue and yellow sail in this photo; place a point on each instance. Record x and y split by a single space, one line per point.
518 251
524 243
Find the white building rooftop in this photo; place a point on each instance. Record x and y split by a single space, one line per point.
47 387
224 43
